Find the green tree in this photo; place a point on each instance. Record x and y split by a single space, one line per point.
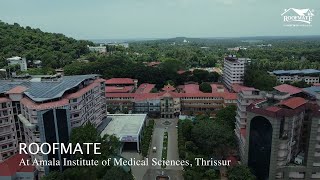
240 172
116 173
226 116
205 87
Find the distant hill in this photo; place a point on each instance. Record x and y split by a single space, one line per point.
54 50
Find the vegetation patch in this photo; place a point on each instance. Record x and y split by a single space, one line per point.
165 148
146 138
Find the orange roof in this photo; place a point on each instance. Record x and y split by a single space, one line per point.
116 89
237 88
230 96
49 105
273 109
288 89
145 88
168 88
120 81
4 99
11 166
84 90
17 90
191 88
293 102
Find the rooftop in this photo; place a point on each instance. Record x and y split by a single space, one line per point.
145 88
288 89
294 72
11 166
191 88
123 125
237 88
120 81
40 91
116 89
313 90
168 88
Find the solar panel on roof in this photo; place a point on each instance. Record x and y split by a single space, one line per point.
41 91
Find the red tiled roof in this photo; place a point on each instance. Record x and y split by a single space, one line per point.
215 87
120 81
230 96
4 99
191 88
316 84
49 105
17 90
11 166
115 95
168 88
293 102
145 88
116 89
273 108
84 90
146 96
288 89
237 88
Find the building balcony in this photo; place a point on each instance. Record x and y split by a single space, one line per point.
240 122
7 149
6 132
6 141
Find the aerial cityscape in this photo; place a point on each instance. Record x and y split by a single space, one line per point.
132 99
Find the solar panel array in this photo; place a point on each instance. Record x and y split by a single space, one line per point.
46 90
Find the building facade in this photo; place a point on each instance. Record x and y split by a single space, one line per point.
309 76
282 138
42 110
245 97
22 62
233 70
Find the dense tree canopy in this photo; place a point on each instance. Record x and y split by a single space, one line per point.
109 148
205 87
54 50
240 172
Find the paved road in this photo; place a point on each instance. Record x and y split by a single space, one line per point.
160 127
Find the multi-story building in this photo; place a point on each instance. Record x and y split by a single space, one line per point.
246 96
309 76
45 110
282 137
170 103
233 70
18 60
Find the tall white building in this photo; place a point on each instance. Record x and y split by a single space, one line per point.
18 60
246 96
233 70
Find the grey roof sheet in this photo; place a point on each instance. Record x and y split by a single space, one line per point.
291 72
46 90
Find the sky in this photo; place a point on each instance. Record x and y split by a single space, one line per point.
134 19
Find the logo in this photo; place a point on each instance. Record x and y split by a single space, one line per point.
297 17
